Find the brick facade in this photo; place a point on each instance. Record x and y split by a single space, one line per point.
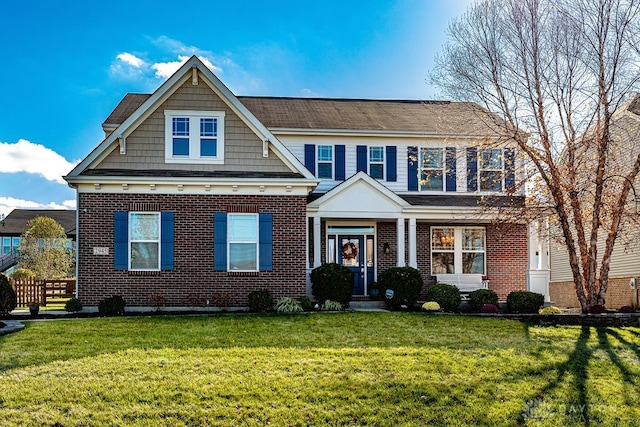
506 252
563 294
193 280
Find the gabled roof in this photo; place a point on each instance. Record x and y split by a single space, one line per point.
137 107
16 222
415 116
359 195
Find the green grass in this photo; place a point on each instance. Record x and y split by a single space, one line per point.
396 369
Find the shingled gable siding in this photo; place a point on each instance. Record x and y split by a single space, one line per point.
193 276
146 145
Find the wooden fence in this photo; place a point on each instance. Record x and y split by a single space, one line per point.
40 290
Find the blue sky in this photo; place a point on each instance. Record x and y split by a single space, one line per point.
68 63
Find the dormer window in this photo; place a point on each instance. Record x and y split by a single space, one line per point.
194 137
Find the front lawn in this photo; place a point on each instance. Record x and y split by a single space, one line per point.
317 369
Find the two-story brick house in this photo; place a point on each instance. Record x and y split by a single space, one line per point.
197 191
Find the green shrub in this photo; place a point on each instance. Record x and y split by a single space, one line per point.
448 296
72 305
332 282
112 306
405 282
305 302
524 302
22 274
550 310
8 298
288 305
431 306
480 297
332 305
260 301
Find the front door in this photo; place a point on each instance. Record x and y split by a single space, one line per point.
352 253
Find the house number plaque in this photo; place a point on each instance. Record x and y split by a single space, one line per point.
101 251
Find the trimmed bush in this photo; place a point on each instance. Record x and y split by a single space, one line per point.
112 306
597 309
260 301
405 282
8 298
431 306
550 310
524 302
480 297
332 282
305 302
72 305
448 296
489 308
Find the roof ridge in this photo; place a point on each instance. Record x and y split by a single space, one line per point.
405 101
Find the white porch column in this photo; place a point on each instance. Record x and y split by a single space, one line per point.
400 242
317 246
413 250
538 273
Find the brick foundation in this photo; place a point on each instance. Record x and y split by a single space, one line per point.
563 294
193 280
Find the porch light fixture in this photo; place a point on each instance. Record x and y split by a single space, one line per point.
386 248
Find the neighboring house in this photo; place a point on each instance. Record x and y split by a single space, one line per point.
624 271
196 192
14 224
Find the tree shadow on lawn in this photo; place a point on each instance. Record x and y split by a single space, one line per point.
577 366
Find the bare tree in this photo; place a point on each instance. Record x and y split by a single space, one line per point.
558 74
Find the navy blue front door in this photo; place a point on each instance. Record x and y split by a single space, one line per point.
352 252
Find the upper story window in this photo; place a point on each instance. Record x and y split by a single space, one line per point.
491 169
194 136
325 161
432 167
376 162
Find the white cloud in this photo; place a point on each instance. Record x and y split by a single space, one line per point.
25 156
7 204
166 69
131 59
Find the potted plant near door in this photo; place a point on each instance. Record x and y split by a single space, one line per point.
34 307
374 291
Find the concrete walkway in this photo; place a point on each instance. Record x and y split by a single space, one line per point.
11 326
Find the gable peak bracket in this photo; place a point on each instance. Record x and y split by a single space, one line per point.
194 76
122 140
265 148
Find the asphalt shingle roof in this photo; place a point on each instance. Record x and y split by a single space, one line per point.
16 222
429 117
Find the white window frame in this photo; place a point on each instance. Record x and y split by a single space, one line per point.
256 241
194 136
158 240
458 249
481 169
377 162
324 161
423 169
